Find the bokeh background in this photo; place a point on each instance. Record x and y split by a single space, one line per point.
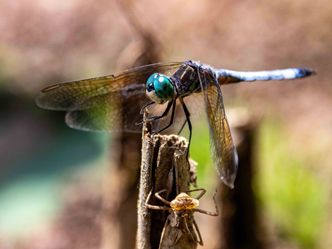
49 173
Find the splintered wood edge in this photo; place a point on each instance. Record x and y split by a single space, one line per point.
143 226
171 149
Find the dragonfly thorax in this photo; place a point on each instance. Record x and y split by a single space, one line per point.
159 88
186 78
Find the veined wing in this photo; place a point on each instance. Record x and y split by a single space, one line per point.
222 145
72 95
109 112
102 103
226 76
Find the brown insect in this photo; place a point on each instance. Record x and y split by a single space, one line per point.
180 227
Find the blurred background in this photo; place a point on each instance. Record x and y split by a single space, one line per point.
52 178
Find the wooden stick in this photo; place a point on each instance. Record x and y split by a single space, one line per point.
145 185
163 166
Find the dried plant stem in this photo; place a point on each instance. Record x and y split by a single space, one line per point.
163 166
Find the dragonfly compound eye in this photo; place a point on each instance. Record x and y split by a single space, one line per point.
159 88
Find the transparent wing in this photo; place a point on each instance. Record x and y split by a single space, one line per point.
110 112
222 145
103 103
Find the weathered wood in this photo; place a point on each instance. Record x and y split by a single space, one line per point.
181 183
164 166
145 185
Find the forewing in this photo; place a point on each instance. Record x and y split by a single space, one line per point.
93 104
222 146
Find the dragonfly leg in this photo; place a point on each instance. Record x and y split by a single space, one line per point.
145 106
164 114
171 120
187 114
182 126
169 105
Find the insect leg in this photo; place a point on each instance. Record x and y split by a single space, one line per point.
164 232
164 114
168 107
203 191
172 117
187 114
154 207
182 126
200 240
161 198
215 213
145 106
192 232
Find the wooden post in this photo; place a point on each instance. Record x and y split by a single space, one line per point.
164 166
240 224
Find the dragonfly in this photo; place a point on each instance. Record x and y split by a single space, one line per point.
180 227
106 103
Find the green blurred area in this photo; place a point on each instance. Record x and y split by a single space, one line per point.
200 152
293 197
32 192
289 188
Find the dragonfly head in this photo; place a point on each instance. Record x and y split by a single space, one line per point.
159 88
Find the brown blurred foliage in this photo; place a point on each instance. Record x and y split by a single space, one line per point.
51 41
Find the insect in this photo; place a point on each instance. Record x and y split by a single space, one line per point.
180 223
106 103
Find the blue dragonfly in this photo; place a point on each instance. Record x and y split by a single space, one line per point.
105 103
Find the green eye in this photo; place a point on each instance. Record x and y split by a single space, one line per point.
159 88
